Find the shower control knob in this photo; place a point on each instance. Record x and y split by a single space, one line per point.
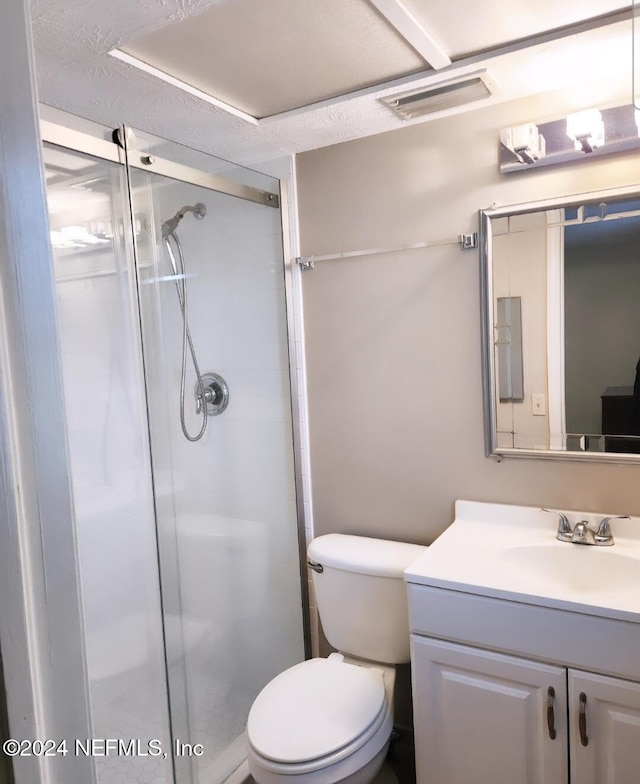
216 394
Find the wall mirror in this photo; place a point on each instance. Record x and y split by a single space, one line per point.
561 327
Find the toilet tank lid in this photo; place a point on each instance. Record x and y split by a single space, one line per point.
362 554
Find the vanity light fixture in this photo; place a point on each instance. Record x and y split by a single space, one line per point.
566 139
524 141
586 129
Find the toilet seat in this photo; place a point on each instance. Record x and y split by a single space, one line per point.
317 714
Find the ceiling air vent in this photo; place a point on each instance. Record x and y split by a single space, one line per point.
430 100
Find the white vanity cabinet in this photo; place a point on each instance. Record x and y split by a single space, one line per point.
482 717
525 651
611 729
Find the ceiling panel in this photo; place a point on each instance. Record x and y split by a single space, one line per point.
76 74
269 57
465 27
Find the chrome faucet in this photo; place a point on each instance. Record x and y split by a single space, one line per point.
582 533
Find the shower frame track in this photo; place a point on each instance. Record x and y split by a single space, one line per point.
70 139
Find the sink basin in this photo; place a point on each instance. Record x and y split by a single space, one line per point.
583 568
511 552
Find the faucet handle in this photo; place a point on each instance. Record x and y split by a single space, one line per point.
604 535
564 533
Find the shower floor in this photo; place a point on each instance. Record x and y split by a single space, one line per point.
127 716
217 720
218 717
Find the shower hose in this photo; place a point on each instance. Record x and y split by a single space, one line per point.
179 273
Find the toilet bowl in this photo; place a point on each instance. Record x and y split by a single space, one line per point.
322 721
329 720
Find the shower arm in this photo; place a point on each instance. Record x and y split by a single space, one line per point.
169 226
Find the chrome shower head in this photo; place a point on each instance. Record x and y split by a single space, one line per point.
169 226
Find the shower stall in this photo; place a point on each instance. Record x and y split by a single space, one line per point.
172 318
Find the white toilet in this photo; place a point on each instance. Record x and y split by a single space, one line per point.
329 720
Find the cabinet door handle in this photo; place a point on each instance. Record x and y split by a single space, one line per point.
582 719
551 719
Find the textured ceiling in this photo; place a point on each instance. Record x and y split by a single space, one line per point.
270 57
76 73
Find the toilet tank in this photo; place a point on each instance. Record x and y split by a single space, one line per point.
361 595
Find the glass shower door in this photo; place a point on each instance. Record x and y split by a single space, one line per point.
109 460
212 297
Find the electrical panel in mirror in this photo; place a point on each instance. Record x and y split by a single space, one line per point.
561 327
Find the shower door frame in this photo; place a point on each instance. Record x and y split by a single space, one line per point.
78 141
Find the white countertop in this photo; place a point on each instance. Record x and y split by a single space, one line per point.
510 552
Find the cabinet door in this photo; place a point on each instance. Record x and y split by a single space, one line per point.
610 728
484 718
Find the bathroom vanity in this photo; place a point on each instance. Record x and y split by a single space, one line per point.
526 651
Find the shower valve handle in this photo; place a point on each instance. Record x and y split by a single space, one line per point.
209 397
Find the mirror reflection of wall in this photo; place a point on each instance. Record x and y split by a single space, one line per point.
519 272
602 323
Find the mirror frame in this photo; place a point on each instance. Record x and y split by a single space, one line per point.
487 324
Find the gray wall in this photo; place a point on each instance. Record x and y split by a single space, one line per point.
393 341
